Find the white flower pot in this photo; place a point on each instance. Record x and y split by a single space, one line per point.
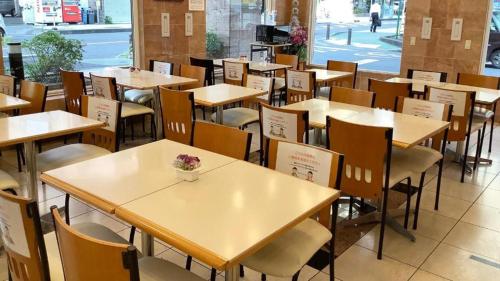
188 175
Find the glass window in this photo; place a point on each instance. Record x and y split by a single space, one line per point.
493 54
344 30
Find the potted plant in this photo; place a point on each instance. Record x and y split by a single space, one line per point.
187 167
298 39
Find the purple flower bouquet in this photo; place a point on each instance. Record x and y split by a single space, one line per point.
187 166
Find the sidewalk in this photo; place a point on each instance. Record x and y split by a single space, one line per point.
86 28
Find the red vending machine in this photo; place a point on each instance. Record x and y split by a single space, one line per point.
71 11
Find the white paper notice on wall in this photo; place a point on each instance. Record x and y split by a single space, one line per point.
304 162
189 24
197 5
456 29
165 25
12 228
279 125
426 28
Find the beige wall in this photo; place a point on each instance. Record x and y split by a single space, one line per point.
177 48
284 11
440 53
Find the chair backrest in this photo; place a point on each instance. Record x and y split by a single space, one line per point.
292 60
104 87
387 92
260 83
22 237
424 75
477 80
107 111
352 96
36 94
234 72
344 66
365 172
8 85
87 258
178 115
208 64
431 110
74 88
300 85
222 139
193 72
284 124
463 107
161 67
318 165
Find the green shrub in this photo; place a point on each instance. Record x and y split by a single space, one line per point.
52 51
215 47
108 20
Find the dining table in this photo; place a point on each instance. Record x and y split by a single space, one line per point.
230 212
260 67
8 102
27 129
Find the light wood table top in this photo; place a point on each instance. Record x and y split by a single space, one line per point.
324 76
409 130
222 94
109 181
33 127
483 95
229 213
9 103
255 66
143 79
319 109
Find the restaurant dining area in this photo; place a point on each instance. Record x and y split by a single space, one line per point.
225 151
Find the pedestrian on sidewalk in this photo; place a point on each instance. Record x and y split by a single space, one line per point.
375 10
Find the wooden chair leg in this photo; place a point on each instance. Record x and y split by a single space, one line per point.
478 149
438 187
18 155
263 277
464 162
189 260
242 271
408 203
124 127
382 224
335 211
66 209
213 274
296 276
144 124
351 202
491 133
132 127
419 195
131 237
478 157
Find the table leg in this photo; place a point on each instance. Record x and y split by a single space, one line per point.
147 243
30 151
158 117
232 273
220 114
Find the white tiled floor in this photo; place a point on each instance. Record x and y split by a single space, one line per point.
461 241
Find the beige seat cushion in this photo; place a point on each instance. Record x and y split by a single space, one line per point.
264 99
324 92
239 116
133 109
67 155
418 159
91 229
477 124
154 269
139 96
7 181
279 83
288 253
399 173
483 113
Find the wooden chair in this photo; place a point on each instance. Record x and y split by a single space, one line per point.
208 64
8 85
344 66
300 85
234 72
366 172
87 258
241 117
193 72
145 97
284 124
387 92
280 75
36 94
286 255
486 112
106 87
178 115
420 159
74 88
462 121
352 96
223 140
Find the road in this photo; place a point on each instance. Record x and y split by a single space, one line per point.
100 49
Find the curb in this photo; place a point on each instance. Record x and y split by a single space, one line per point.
88 31
392 41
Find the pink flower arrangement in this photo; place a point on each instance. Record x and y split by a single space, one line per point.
186 162
299 36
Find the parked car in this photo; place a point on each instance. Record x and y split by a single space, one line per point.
493 54
3 28
7 7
